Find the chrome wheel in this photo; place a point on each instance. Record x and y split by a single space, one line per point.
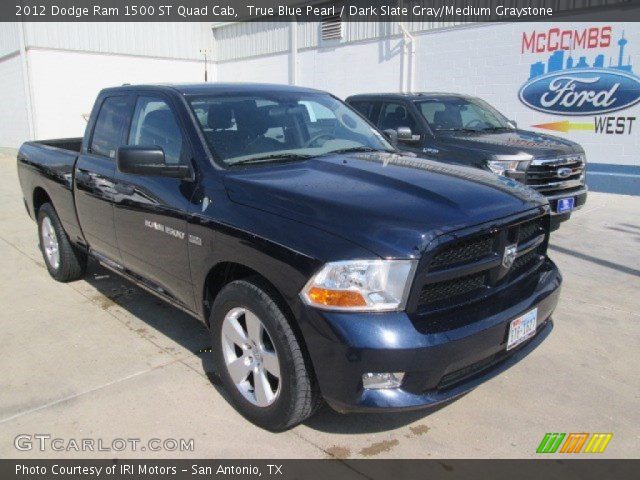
50 243
250 357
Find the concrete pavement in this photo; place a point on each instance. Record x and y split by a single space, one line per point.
101 359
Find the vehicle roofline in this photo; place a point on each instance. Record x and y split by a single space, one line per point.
410 96
211 87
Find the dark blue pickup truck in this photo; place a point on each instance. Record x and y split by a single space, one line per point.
326 264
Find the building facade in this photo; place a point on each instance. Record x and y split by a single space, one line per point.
50 73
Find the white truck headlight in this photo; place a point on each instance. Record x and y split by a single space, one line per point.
361 285
503 164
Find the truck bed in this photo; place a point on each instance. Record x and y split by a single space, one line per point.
47 166
73 144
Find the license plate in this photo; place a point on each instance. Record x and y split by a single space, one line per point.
565 205
522 328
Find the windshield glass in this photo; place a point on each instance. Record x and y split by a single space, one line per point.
461 114
282 126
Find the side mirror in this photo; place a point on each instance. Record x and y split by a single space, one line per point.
392 136
513 123
148 160
406 135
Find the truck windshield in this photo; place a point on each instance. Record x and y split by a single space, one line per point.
283 126
461 114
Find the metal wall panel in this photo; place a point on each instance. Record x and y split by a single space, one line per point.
248 40
13 105
9 40
308 34
242 40
153 39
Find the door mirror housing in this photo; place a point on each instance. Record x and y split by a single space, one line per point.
148 160
405 135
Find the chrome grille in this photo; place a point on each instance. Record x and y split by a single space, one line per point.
545 175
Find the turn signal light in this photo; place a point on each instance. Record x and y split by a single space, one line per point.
336 298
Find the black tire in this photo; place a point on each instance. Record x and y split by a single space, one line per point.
298 397
72 263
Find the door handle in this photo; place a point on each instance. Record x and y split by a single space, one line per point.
82 176
124 189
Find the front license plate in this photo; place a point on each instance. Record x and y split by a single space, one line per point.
522 328
565 205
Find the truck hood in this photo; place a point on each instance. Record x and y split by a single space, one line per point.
390 204
510 143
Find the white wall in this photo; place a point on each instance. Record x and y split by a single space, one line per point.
342 70
9 38
354 68
151 39
14 126
65 84
268 69
487 61
240 40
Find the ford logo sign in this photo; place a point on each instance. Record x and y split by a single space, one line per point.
564 172
581 91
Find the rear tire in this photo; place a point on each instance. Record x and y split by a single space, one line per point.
64 261
259 360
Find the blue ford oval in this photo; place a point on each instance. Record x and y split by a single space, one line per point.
581 92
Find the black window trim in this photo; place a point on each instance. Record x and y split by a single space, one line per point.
187 150
126 128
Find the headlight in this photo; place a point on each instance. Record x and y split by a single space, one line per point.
504 164
583 175
361 285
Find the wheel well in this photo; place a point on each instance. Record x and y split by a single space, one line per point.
40 197
227 272
217 278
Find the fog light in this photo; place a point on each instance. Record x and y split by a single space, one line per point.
382 380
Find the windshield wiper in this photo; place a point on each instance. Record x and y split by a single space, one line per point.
272 158
355 150
474 130
495 129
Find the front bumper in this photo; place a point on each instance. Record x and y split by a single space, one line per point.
557 218
580 199
439 365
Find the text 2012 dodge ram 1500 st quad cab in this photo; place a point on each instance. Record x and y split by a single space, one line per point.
468 131
326 265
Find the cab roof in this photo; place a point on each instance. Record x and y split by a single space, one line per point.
216 88
409 96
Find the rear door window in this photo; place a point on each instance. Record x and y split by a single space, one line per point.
111 124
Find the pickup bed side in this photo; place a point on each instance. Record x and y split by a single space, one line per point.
45 171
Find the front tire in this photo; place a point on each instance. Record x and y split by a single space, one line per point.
64 261
259 359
